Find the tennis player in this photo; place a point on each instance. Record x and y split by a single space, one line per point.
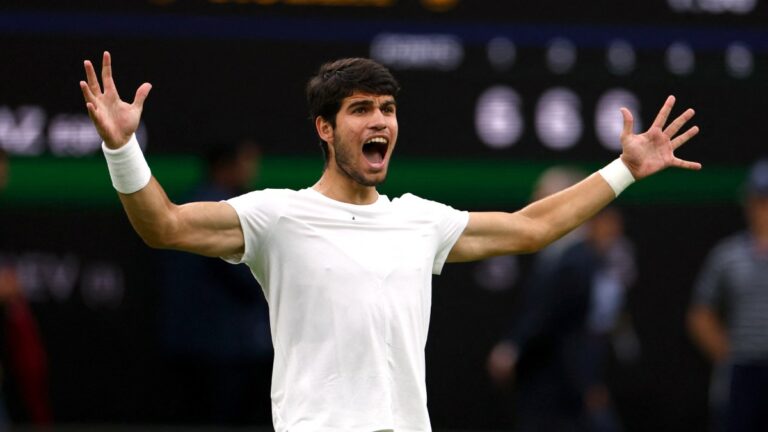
347 271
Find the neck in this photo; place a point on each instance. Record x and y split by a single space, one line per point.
340 187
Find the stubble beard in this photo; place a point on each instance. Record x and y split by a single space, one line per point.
345 160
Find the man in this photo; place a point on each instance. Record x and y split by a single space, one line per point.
727 317
23 358
346 271
556 348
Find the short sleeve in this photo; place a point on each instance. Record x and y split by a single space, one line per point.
449 224
258 212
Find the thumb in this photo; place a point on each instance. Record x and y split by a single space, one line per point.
629 122
141 95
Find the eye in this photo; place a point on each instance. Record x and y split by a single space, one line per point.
359 110
389 109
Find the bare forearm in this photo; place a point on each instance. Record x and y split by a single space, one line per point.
558 214
204 228
534 227
539 224
211 229
151 213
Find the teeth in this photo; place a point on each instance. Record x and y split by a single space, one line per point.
377 140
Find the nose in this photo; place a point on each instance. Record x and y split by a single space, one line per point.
378 120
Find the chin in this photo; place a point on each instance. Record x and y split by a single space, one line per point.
373 180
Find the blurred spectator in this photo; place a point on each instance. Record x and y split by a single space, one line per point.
23 359
557 346
3 169
728 317
4 420
214 319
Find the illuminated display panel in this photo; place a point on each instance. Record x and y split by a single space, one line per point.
685 12
491 97
481 81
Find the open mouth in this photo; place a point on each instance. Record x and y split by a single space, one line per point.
375 149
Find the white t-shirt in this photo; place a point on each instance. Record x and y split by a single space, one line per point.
349 292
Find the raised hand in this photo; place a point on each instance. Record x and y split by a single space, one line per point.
653 150
115 120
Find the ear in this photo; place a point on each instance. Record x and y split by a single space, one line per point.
324 129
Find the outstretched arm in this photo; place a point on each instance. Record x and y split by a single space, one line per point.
206 228
542 222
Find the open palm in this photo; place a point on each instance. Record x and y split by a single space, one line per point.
653 150
114 119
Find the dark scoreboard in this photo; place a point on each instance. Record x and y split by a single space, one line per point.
486 85
673 12
527 80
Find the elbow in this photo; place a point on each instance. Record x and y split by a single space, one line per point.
155 241
159 237
158 230
525 245
536 238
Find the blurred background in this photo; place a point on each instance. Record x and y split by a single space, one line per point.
494 93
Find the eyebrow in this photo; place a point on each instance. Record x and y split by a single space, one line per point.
369 102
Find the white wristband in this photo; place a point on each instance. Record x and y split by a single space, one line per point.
617 175
127 167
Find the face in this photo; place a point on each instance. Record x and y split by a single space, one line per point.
606 228
246 167
364 137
